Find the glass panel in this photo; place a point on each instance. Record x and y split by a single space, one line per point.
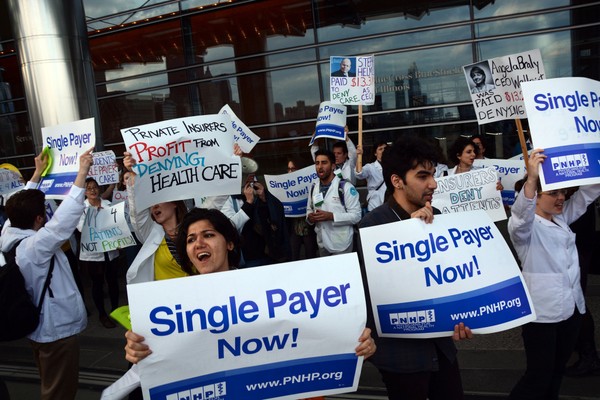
142 108
140 10
367 17
509 7
136 51
417 79
295 93
16 141
523 24
249 30
555 49
369 46
11 83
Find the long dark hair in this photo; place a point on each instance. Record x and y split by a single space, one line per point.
221 223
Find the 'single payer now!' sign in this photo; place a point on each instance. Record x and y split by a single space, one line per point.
66 143
430 277
289 335
564 118
292 190
330 122
178 157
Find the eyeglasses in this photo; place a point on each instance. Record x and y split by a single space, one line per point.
555 193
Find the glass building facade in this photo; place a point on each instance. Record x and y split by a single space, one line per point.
269 60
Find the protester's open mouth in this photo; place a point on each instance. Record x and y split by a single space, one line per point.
203 256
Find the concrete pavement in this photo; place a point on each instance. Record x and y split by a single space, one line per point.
490 364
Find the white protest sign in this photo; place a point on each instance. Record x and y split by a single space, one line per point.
292 189
330 122
509 172
426 278
289 335
105 229
564 119
10 181
352 80
178 158
467 191
495 85
105 169
242 135
66 143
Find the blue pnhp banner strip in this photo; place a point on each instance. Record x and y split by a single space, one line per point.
489 306
265 381
567 163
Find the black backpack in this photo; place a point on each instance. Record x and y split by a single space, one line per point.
18 314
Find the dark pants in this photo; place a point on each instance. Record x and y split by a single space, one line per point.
309 241
548 347
444 384
100 271
58 365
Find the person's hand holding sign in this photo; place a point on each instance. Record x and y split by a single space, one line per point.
461 332
424 213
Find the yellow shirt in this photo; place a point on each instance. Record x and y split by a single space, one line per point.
165 265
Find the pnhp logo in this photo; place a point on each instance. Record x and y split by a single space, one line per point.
217 391
413 320
568 162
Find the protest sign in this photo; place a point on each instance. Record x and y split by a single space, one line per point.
66 143
426 278
564 121
472 190
105 229
509 172
119 196
289 335
105 169
242 135
178 158
495 85
330 122
352 80
10 181
292 189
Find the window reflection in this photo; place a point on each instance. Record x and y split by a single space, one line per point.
148 47
16 141
508 7
555 49
523 24
369 46
101 14
367 17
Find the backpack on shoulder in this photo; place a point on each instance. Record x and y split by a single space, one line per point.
19 316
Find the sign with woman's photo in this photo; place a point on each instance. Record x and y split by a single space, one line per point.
495 84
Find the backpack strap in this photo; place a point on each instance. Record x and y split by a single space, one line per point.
10 256
47 285
341 193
